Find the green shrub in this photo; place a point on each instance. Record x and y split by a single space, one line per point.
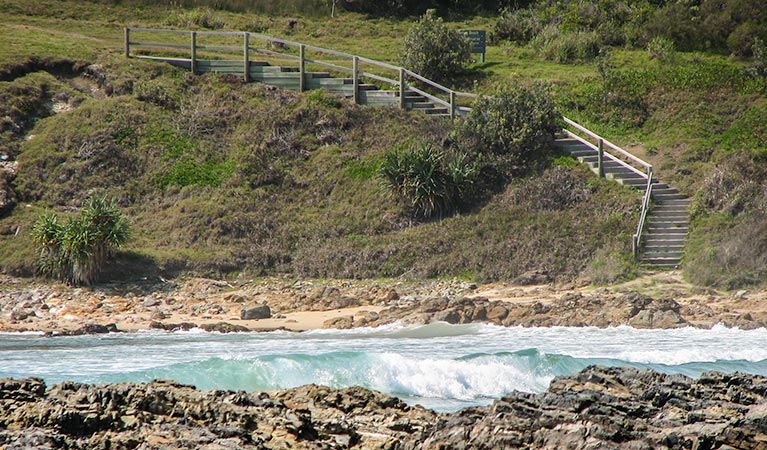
428 180
661 48
517 25
77 251
198 17
560 46
517 124
434 51
758 66
162 92
740 42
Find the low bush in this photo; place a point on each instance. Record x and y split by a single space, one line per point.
77 250
195 18
513 127
429 181
517 25
758 66
434 51
661 49
555 44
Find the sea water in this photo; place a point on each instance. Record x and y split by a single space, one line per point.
440 366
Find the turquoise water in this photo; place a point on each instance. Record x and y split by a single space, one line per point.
440 366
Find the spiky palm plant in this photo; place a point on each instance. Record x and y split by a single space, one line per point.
426 179
77 250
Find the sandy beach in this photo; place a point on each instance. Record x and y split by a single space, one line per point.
34 305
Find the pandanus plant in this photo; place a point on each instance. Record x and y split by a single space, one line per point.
77 250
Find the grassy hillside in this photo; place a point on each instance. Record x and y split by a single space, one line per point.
221 177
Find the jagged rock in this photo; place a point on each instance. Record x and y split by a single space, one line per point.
256 312
224 327
339 323
185 326
598 408
531 278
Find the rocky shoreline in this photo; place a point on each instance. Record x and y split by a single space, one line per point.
279 304
596 408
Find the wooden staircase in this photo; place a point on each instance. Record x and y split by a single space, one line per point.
668 220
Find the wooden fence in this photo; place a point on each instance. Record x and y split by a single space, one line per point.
188 55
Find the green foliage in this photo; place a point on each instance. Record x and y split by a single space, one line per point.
77 250
434 51
556 44
322 99
517 25
164 92
516 125
429 181
363 170
611 265
190 173
661 48
758 66
195 18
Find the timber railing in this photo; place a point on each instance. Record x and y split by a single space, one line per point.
280 49
641 168
185 47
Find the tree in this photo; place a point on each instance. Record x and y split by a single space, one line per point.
434 51
77 250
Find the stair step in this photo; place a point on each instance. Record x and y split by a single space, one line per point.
676 223
577 152
436 111
667 230
671 263
664 191
660 248
682 202
661 254
664 265
665 197
664 239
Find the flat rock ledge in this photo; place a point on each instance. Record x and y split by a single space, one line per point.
598 408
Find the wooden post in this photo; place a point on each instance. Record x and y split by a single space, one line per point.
246 57
356 79
452 104
127 42
194 52
301 68
600 159
402 88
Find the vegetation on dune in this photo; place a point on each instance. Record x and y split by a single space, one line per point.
218 176
433 50
77 250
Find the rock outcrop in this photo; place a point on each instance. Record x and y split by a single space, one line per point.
615 408
598 408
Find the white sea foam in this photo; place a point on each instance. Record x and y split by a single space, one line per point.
461 363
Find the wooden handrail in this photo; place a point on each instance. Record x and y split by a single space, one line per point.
451 94
643 215
590 133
